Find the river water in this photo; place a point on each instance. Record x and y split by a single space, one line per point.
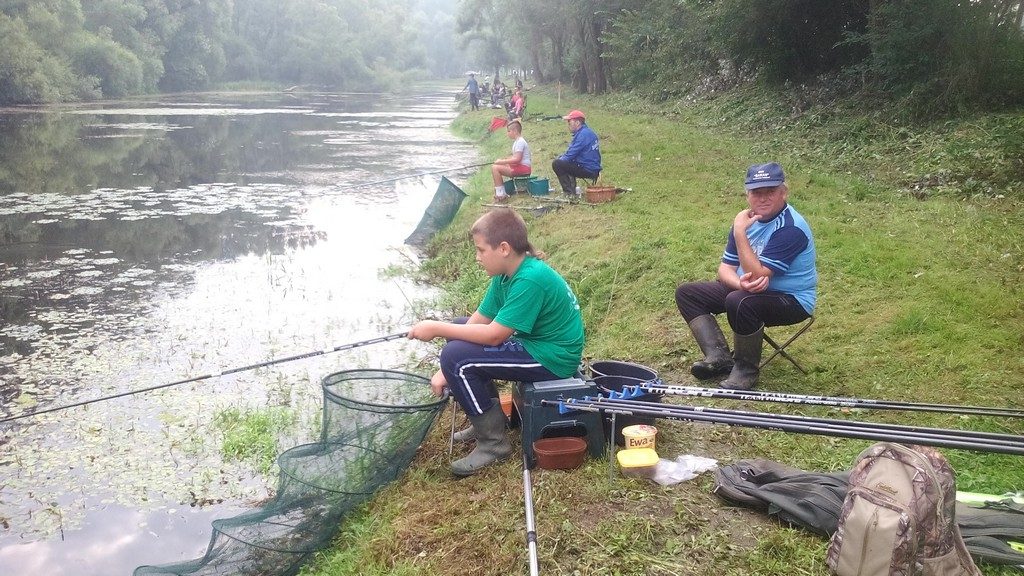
146 242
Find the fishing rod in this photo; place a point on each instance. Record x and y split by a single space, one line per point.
838 401
994 437
420 175
772 422
213 375
940 433
531 531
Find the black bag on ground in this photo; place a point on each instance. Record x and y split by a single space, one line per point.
810 500
988 530
813 501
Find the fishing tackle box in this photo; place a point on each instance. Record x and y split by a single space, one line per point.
539 421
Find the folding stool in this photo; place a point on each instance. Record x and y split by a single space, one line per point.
780 349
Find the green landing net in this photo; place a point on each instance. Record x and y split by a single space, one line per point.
439 214
373 422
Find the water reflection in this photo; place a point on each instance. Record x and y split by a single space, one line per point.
146 242
166 145
186 530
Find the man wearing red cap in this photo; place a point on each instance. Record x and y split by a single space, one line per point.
582 159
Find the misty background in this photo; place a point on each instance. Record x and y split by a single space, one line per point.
934 56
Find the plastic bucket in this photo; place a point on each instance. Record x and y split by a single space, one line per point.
506 403
518 184
560 453
615 384
619 368
640 436
538 187
611 376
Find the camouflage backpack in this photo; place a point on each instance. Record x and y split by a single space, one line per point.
898 517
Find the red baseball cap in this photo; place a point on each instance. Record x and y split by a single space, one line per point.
574 115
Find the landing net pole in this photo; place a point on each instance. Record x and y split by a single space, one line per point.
420 175
451 437
531 531
213 375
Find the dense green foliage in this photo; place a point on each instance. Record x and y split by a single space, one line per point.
560 41
62 50
939 55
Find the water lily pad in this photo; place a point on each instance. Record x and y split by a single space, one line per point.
25 400
43 274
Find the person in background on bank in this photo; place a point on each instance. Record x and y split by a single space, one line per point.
497 94
583 157
518 164
528 328
516 104
474 92
767 277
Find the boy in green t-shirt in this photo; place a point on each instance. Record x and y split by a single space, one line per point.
528 328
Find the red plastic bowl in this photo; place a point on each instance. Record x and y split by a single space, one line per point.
560 453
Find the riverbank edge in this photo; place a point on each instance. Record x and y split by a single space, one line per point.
613 255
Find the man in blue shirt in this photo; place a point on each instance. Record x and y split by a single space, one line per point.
582 159
474 92
767 277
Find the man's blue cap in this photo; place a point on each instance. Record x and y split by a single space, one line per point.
764 176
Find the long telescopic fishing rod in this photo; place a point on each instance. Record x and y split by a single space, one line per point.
773 422
838 401
421 174
213 375
989 437
531 531
841 429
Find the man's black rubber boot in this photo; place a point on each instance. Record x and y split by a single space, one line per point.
748 362
717 361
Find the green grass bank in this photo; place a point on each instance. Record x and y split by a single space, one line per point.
920 258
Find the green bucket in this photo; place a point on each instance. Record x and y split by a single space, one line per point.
538 187
518 184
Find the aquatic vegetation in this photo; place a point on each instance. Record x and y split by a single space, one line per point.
124 285
252 435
